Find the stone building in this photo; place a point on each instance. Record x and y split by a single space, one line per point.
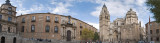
124 30
51 26
154 31
35 27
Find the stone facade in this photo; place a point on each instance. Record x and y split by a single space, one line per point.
154 31
64 24
124 30
39 27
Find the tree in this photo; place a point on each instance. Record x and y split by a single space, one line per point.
154 7
87 34
96 36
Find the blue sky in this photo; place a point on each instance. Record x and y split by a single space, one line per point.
85 10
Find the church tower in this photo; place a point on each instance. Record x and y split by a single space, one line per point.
131 17
7 17
104 20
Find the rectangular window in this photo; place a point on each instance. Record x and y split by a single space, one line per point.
33 28
56 29
0 17
47 28
9 18
22 29
23 20
9 8
33 18
157 31
56 18
48 18
151 31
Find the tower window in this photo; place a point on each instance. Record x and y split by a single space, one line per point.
56 29
9 13
9 8
9 18
47 28
33 28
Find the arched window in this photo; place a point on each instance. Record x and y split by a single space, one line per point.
47 28
33 28
2 39
0 28
56 29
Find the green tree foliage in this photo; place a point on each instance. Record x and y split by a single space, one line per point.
87 34
154 6
96 36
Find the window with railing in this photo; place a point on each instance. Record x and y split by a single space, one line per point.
55 29
33 28
33 18
47 18
56 19
47 28
22 29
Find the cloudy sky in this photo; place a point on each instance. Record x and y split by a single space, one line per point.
85 10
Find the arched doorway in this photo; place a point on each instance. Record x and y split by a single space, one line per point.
14 40
2 39
68 35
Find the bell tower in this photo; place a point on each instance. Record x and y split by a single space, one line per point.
104 22
8 16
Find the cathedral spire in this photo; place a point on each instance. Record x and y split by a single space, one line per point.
104 5
8 2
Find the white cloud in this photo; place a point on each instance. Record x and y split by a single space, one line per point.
119 8
96 25
62 8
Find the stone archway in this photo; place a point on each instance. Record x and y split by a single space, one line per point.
68 35
14 40
2 39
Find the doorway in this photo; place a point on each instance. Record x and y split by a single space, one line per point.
68 35
2 39
14 40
